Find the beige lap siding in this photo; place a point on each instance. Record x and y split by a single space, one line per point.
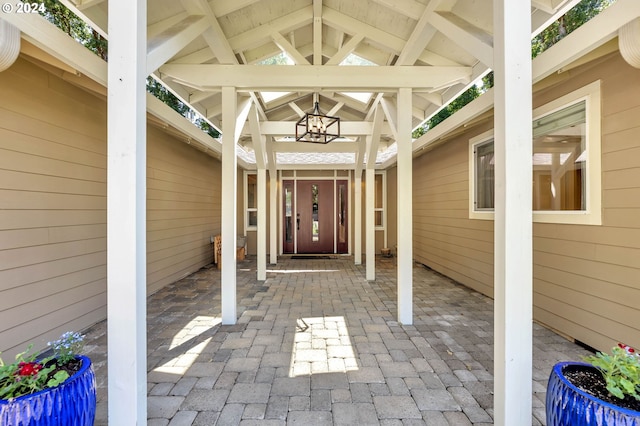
586 278
53 207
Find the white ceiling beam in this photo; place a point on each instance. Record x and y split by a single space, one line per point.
345 50
466 35
431 58
225 7
214 36
96 17
258 140
82 5
256 102
347 128
311 147
214 111
169 42
337 107
359 160
244 105
434 98
391 112
256 37
420 36
154 30
317 32
197 97
350 25
316 166
541 19
544 5
296 109
313 77
198 57
408 8
374 141
372 109
289 49
271 158
265 51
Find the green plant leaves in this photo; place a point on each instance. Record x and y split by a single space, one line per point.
621 372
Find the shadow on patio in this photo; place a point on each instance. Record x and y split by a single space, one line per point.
318 344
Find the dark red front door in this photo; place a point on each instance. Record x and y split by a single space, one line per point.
314 216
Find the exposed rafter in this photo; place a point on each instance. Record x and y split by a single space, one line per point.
170 41
317 32
289 48
466 35
215 37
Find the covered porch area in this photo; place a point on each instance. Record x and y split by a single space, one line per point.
316 343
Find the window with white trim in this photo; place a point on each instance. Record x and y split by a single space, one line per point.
566 180
251 201
380 200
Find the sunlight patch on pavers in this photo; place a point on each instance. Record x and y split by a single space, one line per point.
179 365
322 345
194 328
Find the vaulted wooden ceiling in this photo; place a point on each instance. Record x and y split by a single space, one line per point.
436 47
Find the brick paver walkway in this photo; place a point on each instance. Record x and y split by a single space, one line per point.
317 344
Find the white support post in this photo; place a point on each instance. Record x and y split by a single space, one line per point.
273 219
405 214
262 225
370 228
229 205
126 213
357 214
513 217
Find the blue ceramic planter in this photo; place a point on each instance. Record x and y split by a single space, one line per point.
73 403
569 406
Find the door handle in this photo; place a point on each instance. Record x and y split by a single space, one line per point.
298 221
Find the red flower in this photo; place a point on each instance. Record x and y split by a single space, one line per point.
28 368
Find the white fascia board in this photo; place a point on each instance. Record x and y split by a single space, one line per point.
165 113
46 36
589 36
470 111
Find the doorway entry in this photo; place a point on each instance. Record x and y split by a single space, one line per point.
315 216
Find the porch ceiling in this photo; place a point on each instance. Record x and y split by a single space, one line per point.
436 47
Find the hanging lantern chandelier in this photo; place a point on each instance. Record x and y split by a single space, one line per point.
316 127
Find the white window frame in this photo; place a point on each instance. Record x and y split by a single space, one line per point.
383 209
592 215
248 209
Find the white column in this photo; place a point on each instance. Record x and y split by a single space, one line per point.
273 219
405 211
262 225
229 205
357 214
126 213
512 227
370 228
